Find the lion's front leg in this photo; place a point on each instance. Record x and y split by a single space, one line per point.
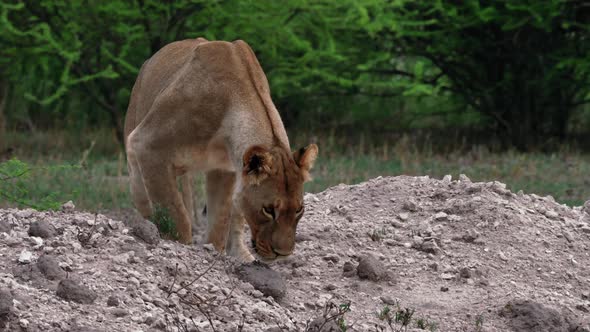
220 185
235 240
161 187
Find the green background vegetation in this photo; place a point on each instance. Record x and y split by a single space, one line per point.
497 90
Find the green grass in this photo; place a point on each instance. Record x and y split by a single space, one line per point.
101 183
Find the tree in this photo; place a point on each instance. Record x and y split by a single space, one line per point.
524 65
90 49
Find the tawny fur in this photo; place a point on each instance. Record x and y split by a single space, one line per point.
205 106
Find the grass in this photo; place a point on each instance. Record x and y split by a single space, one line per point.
101 181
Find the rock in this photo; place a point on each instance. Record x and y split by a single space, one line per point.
6 303
403 216
113 301
119 312
444 289
25 257
428 246
264 279
5 226
36 241
568 236
322 324
465 272
447 178
370 268
410 205
586 208
68 206
332 258
551 214
146 231
50 268
42 229
71 290
441 216
525 315
464 178
348 269
447 276
389 300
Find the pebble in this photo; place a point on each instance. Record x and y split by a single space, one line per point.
25 257
23 323
37 242
388 300
447 276
371 268
441 216
464 178
119 312
113 301
68 206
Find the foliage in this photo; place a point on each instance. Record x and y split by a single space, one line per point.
166 225
524 65
14 175
519 68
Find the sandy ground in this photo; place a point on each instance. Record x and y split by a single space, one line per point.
456 255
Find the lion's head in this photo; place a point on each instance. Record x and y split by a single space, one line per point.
271 196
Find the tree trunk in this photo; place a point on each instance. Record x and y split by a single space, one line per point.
3 101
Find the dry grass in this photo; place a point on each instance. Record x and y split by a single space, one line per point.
101 183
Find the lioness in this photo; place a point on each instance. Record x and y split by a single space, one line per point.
201 105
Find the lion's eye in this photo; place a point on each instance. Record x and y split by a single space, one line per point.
269 211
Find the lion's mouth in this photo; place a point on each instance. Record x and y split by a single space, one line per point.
265 256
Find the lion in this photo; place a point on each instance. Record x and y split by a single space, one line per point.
205 106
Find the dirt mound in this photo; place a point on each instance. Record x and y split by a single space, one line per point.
437 255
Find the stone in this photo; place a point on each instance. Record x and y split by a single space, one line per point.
371 268
68 206
464 178
332 258
263 278
410 205
113 301
119 312
441 216
5 226
389 300
50 268
6 303
348 269
71 290
42 229
526 315
25 257
146 231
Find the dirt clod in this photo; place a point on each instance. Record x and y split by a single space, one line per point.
113 301
146 231
370 268
42 229
6 304
50 268
5 226
505 240
71 290
263 278
525 316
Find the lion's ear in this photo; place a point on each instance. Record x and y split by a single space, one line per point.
305 158
257 163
